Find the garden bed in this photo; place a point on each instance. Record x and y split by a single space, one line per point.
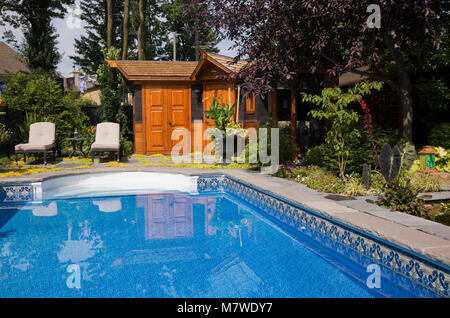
352 185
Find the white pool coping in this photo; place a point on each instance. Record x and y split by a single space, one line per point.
111 184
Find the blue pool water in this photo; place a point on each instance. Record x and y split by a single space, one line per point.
173 245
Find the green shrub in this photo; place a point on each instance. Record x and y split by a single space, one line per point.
424 182
377 181
324 181
353 187
385 136
360 150
4 161
42 99
443 215
344 132
401 196
286 151
127 148
316 156
440 136
442 159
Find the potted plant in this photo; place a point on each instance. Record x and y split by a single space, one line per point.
222 114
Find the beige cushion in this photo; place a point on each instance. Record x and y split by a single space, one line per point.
18 147
107 137
41 138
105 147
42 134
107 133
31 147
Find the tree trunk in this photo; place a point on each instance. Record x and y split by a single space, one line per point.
126 12
141 51
407 103
293 120
404 87
109 23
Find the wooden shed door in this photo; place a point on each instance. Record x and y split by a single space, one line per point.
168 216
166 109
178 111
223 94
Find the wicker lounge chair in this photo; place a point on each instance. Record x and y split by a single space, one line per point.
107 138
41 140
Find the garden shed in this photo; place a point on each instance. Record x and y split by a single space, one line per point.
168 95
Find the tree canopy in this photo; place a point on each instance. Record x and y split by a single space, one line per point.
34 18
281 37
180 18
161 18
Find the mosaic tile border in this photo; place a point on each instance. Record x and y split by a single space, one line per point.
20 193
415 267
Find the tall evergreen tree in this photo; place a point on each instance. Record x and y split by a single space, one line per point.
141 32
180 18
34 18
88 48
153 21
109 22
126 15
154 34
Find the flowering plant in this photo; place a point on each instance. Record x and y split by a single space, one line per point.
368 125
5 134
235 129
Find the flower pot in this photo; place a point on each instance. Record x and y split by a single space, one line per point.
228 155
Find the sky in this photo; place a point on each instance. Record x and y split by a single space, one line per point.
68 31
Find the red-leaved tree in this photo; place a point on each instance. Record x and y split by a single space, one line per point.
280 37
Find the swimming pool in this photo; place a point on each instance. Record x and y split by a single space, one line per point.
222 238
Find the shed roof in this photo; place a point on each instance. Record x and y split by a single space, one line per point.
134 70
174 70
227 62
9 61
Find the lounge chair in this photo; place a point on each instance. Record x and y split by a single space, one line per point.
107 138
41 140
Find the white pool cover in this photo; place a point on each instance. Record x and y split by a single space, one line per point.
107 184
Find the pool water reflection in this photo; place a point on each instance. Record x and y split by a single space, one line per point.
171 245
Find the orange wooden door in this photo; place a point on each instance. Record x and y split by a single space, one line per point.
178 111
223 93
166 109
156 119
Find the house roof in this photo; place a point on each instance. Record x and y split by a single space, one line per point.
349 78
175 70
227 62
9 61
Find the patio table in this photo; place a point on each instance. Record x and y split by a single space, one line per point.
75 141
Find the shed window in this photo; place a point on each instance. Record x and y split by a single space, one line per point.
250 104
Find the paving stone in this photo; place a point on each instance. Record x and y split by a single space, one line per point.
437 196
